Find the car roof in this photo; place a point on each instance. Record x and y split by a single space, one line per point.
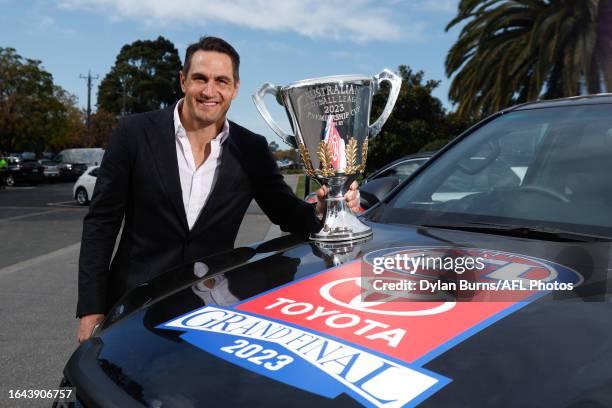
604 98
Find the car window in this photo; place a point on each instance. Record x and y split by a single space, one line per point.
402 170
543 165
94 172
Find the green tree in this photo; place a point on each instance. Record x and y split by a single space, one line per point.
144 78
418 121
70 123
35 114
452 126
101 127
512 51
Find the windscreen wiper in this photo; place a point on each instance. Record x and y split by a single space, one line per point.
535 232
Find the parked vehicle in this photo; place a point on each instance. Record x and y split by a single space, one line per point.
50 169
73 162
48 155
285 164
27 155
3 171
84 186
23 171
525 194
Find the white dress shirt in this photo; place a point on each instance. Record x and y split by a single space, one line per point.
196 183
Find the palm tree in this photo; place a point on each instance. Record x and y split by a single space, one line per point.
512 51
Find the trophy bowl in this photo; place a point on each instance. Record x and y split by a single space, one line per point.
330 119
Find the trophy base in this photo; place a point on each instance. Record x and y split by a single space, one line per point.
340 224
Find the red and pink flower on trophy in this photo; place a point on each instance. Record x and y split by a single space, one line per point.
335 144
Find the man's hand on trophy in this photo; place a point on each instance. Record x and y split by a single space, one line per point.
351 197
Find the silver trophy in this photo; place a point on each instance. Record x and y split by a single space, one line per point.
330 119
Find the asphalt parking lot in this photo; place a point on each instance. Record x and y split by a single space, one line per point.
40 230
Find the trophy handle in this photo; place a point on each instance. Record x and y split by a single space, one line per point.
258 99
396 83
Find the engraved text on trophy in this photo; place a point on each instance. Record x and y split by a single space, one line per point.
338 101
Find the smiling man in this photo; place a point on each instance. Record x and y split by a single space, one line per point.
182 179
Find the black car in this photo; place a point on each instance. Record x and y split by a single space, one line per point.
484 285
21 171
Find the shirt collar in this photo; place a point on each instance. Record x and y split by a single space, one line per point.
179 130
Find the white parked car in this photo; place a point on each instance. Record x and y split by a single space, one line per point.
84 186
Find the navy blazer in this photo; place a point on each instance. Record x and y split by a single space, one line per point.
139 183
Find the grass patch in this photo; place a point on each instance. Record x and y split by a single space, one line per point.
292 171
299 188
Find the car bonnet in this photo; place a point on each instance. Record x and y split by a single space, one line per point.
282 324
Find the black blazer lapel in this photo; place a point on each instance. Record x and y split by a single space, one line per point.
161 137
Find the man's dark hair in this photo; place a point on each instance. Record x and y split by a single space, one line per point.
213 44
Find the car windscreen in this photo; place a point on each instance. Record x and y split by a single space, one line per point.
549 167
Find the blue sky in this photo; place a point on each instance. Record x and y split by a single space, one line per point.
279 41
